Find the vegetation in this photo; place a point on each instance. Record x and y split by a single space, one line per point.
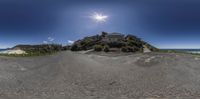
74 48
98 48
118 44
124 49
41 49
36 50
106 48
128 49
68 47
27 55
128 43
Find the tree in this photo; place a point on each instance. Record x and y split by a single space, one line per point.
124 49
74 48
98 48
103 34
106 48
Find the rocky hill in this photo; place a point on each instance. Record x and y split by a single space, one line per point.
112 42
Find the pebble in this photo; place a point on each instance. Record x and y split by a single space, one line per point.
196 58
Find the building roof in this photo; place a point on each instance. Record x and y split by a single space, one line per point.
114 33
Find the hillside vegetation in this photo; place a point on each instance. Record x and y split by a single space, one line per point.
39 49
104 42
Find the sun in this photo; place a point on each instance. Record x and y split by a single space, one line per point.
98 17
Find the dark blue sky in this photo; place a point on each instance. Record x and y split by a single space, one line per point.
163 23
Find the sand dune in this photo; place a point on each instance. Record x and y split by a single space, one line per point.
70 75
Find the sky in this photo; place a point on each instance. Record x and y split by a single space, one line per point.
162 23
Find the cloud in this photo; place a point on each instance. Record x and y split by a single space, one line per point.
70 42
45 42
50 39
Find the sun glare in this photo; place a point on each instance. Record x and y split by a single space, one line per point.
99 17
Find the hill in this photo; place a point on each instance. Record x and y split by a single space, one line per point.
115 41
39 49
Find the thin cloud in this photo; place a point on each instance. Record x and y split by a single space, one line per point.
45 42
70 41
50 39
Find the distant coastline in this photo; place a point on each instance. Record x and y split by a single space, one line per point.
3 50
195 51
12 51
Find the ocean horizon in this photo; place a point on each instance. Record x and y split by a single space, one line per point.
186 50
3 49
181 50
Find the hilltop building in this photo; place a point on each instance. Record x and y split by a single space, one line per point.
113 37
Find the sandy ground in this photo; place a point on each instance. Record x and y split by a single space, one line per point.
70 75
18 51
146 49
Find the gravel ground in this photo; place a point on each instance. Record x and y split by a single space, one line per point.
70 75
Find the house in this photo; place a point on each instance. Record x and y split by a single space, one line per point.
113 37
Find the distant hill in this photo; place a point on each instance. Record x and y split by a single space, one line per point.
112 42
39 49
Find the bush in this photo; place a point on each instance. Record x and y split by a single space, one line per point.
117 44
74 48
106 48
127 49
64 48
98 48
130 49
131 37
124 49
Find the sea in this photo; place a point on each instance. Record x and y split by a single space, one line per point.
194 51
1 50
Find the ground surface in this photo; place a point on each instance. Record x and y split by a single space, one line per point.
69 75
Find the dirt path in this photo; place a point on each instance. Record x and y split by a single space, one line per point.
69 75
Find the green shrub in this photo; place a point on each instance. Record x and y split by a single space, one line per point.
130 49
117 44
98 48
74 48
129 43
124 49
106 48
131 37
64 48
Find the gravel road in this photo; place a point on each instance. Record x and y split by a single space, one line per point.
71 75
